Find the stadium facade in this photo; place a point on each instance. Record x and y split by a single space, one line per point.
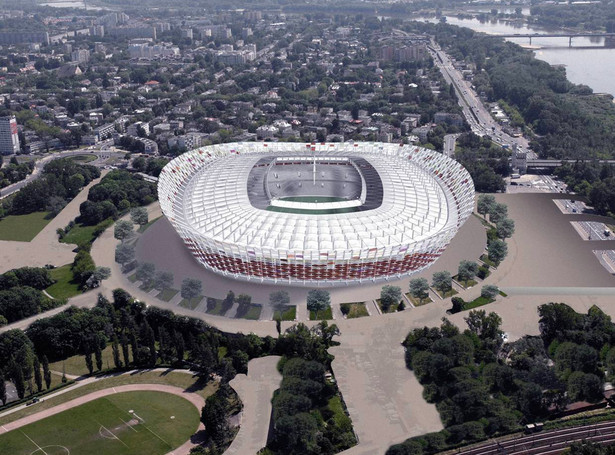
315 214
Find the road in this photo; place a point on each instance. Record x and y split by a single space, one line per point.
103 153
449 144
476 114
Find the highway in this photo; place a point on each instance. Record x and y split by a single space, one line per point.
476 114
103 153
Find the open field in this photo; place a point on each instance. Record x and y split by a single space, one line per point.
65 287
79 235
23 228
160 422
162 377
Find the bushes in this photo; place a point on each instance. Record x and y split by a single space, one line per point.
114 195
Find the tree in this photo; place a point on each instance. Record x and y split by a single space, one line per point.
318 300
46 372
2 390
124 253
244 299
419 288
489 291
98 355
486 326
467 271
88 361
278 299
442 281
18 380
497 251
139 216
116 352
213 416
163 280
123 229
584 387
99 274
38 379
498 212
146 273
458 304
191 288
389 296
484 204
505 228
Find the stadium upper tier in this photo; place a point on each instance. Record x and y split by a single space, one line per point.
315 214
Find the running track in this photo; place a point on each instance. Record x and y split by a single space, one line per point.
193 398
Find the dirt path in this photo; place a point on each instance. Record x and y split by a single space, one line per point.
193 398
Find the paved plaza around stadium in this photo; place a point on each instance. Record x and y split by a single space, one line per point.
547 261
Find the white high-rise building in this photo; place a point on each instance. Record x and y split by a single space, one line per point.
9 140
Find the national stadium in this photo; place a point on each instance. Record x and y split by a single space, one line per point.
315 214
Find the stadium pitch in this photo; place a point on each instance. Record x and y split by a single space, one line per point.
127 423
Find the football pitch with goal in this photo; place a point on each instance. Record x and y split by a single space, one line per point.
128 423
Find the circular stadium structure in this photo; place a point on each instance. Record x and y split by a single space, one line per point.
315 214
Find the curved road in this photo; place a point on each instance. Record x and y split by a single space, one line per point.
193 398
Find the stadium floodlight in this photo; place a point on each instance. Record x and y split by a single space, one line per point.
315 214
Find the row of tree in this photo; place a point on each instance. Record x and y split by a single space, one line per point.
61 181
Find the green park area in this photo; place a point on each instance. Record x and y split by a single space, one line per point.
79 235
65 286
159 422
23 228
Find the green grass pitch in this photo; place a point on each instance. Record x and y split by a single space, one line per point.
106 427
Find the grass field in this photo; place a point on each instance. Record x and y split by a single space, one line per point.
326 314
177 379
418 302
23 228
66 286
251 311
84 158
105 427
76 364
191 303
287 313
167 294
355 310
79 235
